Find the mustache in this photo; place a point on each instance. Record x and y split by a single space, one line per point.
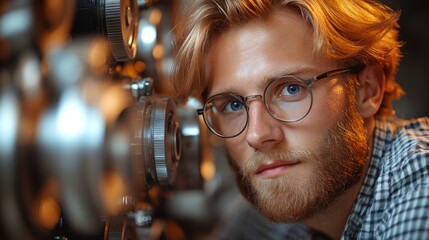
263 157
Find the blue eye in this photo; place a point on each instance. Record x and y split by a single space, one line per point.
234 106
291 89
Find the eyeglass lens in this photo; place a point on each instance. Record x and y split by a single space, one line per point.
287 99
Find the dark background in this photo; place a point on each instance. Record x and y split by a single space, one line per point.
414 67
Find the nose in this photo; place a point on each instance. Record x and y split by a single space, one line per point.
263 131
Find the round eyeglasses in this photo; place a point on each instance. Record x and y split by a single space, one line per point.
287 99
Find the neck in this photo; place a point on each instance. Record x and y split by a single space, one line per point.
332 220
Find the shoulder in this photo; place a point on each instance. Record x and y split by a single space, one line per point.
406 146
405 166
406 216
412 133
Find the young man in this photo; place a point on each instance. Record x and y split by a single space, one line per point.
301 91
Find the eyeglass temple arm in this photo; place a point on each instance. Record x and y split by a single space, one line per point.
336 72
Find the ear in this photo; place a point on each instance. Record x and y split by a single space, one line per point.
371 90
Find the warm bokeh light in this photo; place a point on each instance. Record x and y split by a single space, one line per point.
118 68
48 209
208 169
155 16
113 101
112 190
139 66
98 56
158 51
49 212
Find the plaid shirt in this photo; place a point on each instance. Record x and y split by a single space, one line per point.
394 200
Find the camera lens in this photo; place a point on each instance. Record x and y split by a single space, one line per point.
116 20
157 146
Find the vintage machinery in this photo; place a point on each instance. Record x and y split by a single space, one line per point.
90 143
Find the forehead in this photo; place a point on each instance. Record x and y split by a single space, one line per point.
247 54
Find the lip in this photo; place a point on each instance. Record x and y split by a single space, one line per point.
274 169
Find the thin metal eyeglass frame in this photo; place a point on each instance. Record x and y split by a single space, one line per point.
309 83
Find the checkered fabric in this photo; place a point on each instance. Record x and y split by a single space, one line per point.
394 200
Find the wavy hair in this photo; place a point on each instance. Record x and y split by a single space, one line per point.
349 32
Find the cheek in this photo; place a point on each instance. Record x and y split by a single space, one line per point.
328 107
336 101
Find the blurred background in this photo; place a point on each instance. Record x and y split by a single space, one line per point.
413 70
93 145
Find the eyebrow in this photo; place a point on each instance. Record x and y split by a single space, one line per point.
285 72
294 71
